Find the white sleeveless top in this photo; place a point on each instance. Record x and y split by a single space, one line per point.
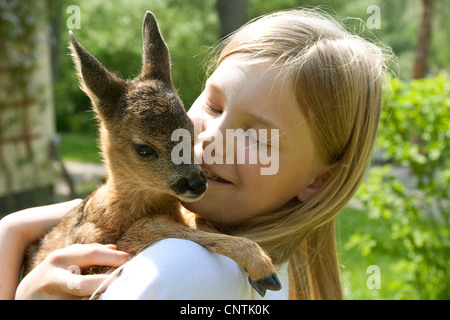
180 269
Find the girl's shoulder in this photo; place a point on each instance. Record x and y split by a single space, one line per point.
180 269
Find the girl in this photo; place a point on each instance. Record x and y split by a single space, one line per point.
299 72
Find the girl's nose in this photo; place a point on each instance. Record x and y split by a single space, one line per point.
212 141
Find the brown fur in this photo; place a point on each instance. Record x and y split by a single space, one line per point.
139 203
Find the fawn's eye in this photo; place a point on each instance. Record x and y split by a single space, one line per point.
145 151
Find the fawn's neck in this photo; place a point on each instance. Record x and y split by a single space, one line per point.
117 207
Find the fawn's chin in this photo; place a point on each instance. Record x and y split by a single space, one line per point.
189 197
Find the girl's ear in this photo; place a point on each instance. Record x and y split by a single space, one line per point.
315 186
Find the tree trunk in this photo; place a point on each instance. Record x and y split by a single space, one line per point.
27 123
55 14
232 15
423 40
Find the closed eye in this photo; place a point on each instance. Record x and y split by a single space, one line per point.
214 99
212 109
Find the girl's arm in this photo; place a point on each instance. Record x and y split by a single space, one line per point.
54 277
17 231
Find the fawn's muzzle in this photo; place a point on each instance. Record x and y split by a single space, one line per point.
191 186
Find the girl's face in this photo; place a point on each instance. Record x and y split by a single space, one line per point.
245 95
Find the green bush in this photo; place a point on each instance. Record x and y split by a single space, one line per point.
414 134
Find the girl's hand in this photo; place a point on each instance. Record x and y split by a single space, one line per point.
57 277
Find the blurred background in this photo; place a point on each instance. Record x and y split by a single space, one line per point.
393 237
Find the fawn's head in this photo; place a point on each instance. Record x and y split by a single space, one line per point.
137 118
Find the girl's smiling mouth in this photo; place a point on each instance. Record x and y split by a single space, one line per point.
210 175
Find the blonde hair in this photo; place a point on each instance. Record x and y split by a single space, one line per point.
337 77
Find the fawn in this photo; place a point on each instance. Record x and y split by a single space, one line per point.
139 202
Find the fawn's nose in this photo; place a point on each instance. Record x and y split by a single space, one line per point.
192 186
197 186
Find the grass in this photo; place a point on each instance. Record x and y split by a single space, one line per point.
79 147
354 262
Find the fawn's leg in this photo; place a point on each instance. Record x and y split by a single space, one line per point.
245 252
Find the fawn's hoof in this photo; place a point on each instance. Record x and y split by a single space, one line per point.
261 285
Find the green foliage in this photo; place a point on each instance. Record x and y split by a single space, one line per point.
111 31
418 112
414 134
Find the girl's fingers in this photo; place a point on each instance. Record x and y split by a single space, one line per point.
71 259
82 255
86 285
58 276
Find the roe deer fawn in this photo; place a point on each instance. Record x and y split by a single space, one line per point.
139 202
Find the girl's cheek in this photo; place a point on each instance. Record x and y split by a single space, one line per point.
267 162
194 113
250 170
252 153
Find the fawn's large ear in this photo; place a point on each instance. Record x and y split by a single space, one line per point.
155 56
103 86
